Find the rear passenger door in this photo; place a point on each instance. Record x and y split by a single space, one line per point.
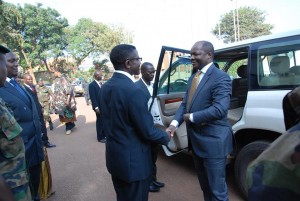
172 73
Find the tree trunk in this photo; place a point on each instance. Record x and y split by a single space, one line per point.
30 70
47 66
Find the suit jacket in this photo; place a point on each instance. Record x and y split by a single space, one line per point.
129 129
143 87
27 116
210 136
35 98
94 91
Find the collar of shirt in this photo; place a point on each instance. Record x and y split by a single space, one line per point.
98 82
126 74
8 80
205 68
203 71
151 83
149 87
27 86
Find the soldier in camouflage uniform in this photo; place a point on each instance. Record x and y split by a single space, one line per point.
12 149
44 95
64 101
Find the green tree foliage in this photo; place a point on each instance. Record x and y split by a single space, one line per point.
10 22
42 38
34 33
88 38
43 33
251 25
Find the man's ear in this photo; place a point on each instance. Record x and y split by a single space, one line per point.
127 64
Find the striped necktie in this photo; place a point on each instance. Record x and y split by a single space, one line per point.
193 88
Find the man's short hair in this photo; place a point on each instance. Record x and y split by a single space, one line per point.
120 53
208 47
145 65
4 50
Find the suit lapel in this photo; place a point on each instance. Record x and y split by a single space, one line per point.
202 83
96 85
144 87
16 93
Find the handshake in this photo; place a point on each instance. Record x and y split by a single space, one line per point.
170 130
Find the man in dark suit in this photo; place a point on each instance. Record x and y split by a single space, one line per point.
30 88
146 85
204 109
94 91
129 127
25 113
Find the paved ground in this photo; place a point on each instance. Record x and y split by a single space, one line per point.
79 172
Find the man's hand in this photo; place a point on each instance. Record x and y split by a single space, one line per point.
97 111
186 117
170 130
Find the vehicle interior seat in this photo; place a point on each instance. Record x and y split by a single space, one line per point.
239 95
240 86
280 72
280 67
295 70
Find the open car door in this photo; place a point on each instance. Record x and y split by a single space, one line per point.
173 71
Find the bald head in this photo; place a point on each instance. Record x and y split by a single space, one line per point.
28 79
98 75
148 71
202 53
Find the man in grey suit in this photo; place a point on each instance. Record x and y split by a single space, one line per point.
25 113
204 109
129 127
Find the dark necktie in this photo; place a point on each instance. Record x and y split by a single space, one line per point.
193 88
32 89
19 88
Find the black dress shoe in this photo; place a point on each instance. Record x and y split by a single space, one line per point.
158 184
49 145
153 188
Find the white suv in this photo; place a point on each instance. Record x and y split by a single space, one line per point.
263 71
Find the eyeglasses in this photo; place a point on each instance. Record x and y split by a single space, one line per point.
138 58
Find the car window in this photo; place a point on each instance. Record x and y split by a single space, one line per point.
279 64
232 68
174 79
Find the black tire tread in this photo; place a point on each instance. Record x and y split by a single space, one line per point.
244 158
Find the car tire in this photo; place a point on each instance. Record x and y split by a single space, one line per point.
248 154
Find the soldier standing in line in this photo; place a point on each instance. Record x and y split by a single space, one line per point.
44 95
12 149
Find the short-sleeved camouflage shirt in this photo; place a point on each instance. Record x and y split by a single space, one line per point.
12 154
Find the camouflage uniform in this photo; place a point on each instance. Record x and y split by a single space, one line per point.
44 94
12 155
61 90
